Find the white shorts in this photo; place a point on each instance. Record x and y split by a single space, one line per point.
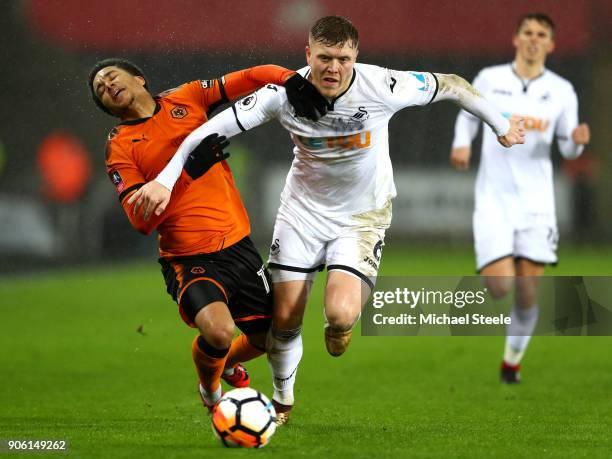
300 249
497 237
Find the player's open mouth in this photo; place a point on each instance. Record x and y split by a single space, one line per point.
330 81
116 92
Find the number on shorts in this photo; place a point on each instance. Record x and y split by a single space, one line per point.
262 273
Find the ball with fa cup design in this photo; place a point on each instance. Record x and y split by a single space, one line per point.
244 418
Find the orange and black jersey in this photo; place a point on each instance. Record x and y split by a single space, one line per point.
204 215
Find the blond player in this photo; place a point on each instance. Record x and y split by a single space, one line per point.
336 204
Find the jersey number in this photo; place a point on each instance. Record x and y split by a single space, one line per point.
262 273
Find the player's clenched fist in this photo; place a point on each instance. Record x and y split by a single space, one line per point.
516 134
460 157
305 98
581 135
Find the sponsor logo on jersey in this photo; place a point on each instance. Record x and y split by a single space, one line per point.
138 139
206 84
115 177
180 111
248 102
371 262
535 124
348 142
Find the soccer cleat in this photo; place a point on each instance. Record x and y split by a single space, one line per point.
209 406
282 412
509 374
337 342
239 378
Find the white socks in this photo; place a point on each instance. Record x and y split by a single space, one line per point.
519 333
284 349
213 398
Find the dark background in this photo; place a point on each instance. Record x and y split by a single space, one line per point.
48 47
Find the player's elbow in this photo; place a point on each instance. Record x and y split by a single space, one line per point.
453 87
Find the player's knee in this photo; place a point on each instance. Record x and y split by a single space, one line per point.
498 287
220 337
341 319
286 318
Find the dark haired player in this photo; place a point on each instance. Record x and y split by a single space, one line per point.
209 263
515 228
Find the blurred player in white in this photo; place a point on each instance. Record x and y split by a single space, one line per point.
515 229
336 204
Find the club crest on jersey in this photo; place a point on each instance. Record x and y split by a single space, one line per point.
275 247
115 177
179 112
361 115
197 270
248 102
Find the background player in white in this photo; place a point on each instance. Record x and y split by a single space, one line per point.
515 230
336 204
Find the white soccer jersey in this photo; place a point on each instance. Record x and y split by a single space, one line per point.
341 165
519 181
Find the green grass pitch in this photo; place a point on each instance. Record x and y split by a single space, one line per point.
74 366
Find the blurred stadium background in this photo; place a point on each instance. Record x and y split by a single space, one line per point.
57 207
97 355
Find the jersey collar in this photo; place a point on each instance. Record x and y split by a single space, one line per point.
142 120
330 105
526 82
333 101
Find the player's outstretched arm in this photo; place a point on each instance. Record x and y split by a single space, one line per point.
301 93
154 197
516 133
458 90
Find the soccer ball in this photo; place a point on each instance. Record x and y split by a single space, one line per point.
244 417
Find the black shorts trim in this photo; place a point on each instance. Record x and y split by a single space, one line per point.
234 275
362 276
295 269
